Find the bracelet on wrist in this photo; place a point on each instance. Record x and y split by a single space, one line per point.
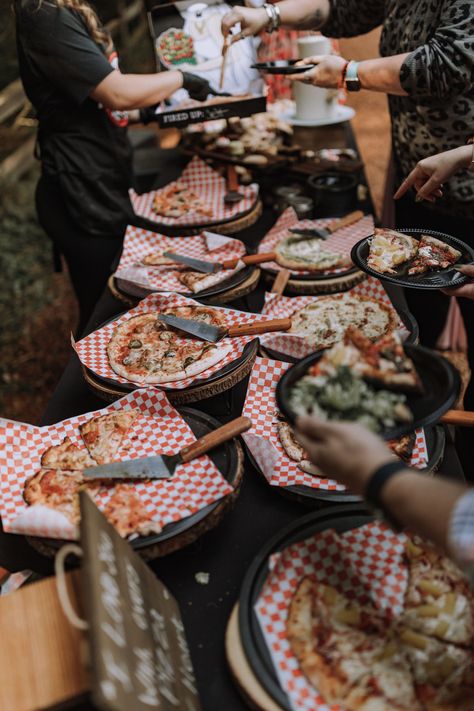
376 484
274 18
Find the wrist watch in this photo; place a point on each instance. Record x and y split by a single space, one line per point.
351 79
374 488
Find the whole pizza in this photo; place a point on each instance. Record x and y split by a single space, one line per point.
303 253
175 47
144 350
177 200
325 321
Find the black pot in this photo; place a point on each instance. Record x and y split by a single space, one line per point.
334 193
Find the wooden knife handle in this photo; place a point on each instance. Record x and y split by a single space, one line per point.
250 259
215 438
253 329
4 574
345 221
281 280
232 179
462 418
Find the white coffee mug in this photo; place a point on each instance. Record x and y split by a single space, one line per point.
312 102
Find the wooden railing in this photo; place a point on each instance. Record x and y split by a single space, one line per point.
13 101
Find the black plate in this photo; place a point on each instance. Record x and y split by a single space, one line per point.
408 319
442 279
225 458
235 280
441 384
314 498
282 66
249 348
341 518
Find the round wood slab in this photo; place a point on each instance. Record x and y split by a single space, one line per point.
331 285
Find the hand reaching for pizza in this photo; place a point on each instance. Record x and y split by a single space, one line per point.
428 176
467 290
346 452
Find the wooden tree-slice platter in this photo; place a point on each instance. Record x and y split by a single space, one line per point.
242 674
331 285
226 227
219 382
229 459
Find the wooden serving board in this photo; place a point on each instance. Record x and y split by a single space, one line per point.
331 285
40 651
228 227
250 688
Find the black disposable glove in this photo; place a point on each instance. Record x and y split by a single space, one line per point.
148 114
197 88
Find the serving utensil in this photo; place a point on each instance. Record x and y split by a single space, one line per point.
213 334
232 195
461 418
325 232
201 265
162 466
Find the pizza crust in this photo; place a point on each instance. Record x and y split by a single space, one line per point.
104 435
66 456
197 281
59 490
127 513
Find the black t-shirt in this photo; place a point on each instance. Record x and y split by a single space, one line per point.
82 145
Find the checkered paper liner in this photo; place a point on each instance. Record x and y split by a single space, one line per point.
92 350
159 429
365 564
263 440
298 346
139 243
341 241
210 187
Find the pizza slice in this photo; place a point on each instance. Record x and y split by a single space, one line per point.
439 600
156 259
403 447
388 249
308 253
177 200
443 673
127 513
294 450
206 314
197 282
58 489
104 435
433 254
343 651
66 456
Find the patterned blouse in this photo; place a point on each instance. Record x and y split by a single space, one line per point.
438 75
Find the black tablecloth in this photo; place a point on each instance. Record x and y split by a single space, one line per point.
225 552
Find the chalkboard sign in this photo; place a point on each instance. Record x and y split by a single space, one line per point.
139 654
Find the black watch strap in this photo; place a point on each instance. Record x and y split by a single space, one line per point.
374 488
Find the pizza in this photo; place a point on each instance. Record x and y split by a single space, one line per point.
156 259
58 489
293 448
325 320
175 47
389 249
197 282
433 254
104 435
343 650
143 350
127 513
66 456
403 446
177 200
308 254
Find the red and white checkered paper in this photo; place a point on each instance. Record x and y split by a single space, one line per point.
210 187
139 243
92 350
365 564
285 306
341 241
159 429
263 440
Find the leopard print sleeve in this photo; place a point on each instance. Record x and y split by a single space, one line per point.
443 67
349 18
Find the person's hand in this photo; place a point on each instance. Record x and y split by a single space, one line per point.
326 74
251 20
428 176
467 290
197 87
346 452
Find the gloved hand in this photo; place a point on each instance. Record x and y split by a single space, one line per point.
197 88
148 114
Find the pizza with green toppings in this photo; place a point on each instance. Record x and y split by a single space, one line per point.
175 47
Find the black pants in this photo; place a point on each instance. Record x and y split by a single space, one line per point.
430 308
89 258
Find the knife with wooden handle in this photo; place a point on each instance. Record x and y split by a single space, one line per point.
281 280
201 265
461 418
213 334
325 232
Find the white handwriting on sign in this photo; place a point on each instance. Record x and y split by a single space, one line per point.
186 667
136 597
110 592
145 675
164 668
158 628
117 671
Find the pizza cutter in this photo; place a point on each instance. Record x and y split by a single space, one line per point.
325 232
200 265
162 466
213 334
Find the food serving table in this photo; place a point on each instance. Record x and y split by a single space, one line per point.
225 552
